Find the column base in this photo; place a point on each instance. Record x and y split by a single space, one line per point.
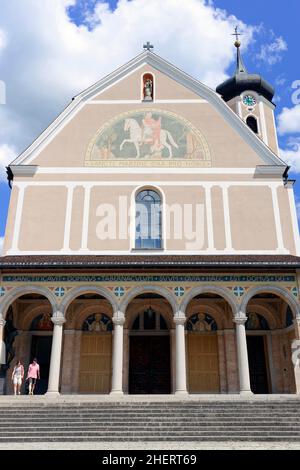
246 393
181 393
52 394
116 393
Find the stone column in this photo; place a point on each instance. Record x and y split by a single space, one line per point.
242 354
296 355
55 361
2 345
126 340
117 355
180 356
2 352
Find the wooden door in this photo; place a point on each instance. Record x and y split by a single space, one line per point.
95 363
203 363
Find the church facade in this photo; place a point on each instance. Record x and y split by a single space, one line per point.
152 243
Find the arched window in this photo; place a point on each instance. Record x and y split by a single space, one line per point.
148 220
252 123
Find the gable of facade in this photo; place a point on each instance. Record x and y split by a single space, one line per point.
185 143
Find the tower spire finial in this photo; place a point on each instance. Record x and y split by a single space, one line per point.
237 34
240 66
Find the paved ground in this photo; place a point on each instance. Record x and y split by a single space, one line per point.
80 399
178 446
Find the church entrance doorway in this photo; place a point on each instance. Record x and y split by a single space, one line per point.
149 355
257 328
95 354
202 354
41 349
257 364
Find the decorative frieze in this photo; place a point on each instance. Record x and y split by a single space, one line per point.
236 278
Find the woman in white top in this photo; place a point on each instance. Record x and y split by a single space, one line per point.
17 377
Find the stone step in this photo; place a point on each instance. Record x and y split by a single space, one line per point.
231 438
183 405
140 435
149 416
158 431
197 421
40 423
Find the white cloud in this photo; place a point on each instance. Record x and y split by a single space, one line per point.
291 155
289 120
46 59
279 81
2 40
7 154
272 53
1 244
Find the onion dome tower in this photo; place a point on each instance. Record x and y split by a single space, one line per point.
250 96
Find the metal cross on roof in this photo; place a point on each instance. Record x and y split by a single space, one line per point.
236 33
148 46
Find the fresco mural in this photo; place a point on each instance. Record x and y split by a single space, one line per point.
148 137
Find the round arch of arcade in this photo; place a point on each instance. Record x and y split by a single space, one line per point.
17 292
179 313
148 289
280 292
77 291
209 289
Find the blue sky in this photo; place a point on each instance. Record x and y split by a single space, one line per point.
36 59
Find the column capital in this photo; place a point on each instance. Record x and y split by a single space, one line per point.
58 318
179 320
118 318
2 321
240 318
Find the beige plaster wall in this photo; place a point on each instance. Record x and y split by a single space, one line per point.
43 218
271 130
285 218
77 218
44 211
110 197
188 197
252 219
218 218
250 208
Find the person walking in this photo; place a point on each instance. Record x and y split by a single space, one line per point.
33 375
17 377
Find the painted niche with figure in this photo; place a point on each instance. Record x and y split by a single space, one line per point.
42 322
148 137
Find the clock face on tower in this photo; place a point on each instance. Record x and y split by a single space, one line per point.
249 100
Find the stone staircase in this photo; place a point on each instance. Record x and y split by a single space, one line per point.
151 421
